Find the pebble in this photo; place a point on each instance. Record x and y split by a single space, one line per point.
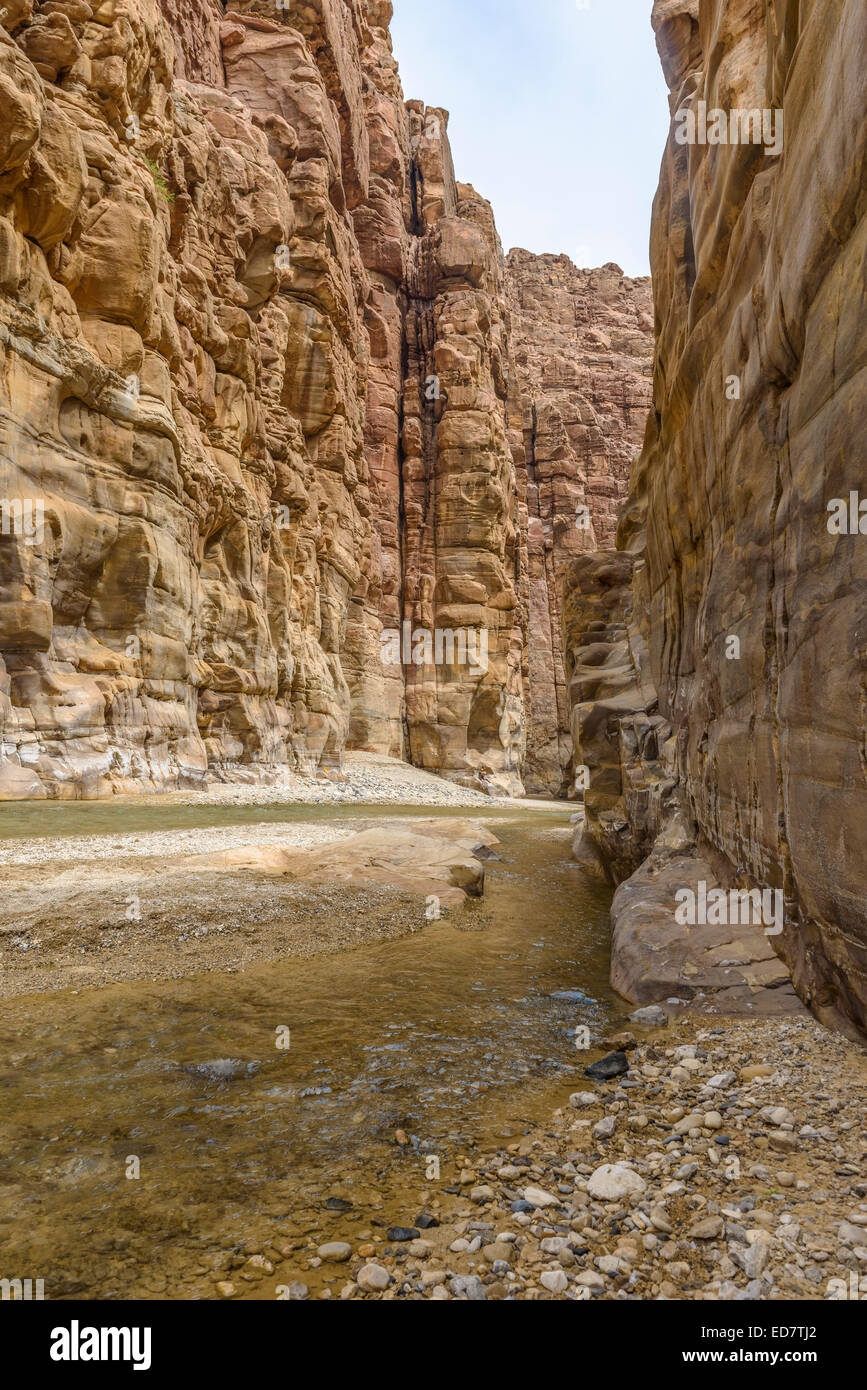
335 1251
555 1281
613 1181
538 1198
468 1286
710 1229
668 1216
373 1277
652 1016
605 1128
399 1234
615 1064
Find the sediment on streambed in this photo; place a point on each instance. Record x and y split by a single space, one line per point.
94 910
726 1163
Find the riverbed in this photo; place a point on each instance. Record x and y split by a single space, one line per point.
153 1133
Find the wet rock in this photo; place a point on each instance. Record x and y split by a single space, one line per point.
335 1251
651 1016
399 1234
615 1064
296 1292
224 1069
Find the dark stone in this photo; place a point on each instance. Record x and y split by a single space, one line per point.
400 1233
425 1221
338 1204
521 1205
615 1064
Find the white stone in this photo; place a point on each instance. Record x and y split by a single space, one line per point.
555 1281
540 1198
372 1277
614 1181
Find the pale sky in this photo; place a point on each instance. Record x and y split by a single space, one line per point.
558 115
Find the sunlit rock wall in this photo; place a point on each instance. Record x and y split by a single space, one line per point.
231 261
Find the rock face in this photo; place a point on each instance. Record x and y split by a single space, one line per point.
748 602
583 345
256 403
619 735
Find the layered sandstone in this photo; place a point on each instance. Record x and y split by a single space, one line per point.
583 346
255 400
748 605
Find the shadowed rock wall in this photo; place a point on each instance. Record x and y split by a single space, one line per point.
583 346
748 604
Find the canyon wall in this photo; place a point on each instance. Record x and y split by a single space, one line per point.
257 410
724 709
583 347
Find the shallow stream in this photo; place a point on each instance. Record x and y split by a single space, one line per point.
450 1035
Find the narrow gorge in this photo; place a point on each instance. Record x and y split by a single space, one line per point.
447 656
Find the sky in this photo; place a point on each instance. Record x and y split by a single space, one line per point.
558 115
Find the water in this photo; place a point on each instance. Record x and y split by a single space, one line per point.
449 1035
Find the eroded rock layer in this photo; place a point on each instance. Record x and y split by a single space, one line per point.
256 406
583 346
748 604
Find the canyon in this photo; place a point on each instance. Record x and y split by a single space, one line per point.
410 651
278 395
274 406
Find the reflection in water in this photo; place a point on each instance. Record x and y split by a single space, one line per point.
451 1035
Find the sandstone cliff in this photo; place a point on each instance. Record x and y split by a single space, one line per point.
727 707
583 345
256 406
